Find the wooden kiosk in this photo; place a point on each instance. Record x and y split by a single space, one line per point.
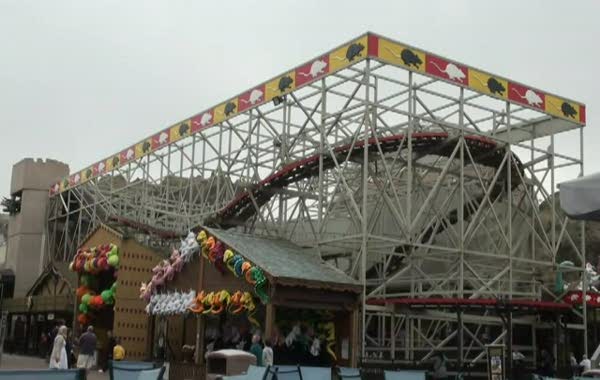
296 299
125 317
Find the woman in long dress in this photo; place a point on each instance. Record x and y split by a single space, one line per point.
58 357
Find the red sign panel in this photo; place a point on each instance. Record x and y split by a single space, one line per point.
447 70
312 70
521 94
204 120
251 98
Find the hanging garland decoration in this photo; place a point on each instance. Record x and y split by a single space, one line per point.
166 270
328 329
215 303
89 263
170 303
224 258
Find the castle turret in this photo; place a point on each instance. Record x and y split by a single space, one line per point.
29 186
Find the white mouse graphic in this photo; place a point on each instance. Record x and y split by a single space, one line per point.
533 99
101 167
255 97
453 72
205 119
317 67
162 138
130 153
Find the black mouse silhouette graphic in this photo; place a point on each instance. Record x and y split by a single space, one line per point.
229 108
408 57
88 173
492 84
183 129
285 83
354 50
146 146
495 87
568 110
115 161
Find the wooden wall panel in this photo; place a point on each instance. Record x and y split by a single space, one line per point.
213 280
136 263
131 320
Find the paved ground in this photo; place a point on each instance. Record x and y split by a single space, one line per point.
28 362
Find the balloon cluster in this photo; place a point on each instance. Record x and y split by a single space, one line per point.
223 257
218 302
170 303
165 270
96 259
90 301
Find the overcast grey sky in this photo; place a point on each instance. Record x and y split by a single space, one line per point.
80 80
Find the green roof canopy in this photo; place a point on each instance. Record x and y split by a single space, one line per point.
287 263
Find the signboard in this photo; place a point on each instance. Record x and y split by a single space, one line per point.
368 45
495 361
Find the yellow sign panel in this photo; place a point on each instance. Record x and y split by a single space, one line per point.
562 108
226 110
112 163
348 54
488 84
143 148
64 185
86 174
401 55
179 131
280 86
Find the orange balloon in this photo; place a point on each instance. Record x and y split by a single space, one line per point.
246 266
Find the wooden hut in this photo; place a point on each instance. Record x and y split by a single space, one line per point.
127 318
301 288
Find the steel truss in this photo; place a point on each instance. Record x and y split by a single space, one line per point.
456 217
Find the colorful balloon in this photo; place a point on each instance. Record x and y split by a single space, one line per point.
86 298
82 319
113 260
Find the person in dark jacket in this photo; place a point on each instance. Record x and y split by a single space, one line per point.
87 349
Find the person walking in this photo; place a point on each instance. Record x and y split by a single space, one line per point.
69 347
574 365
267 354
58 356
87 349
107 351
256 349
586 364
439 367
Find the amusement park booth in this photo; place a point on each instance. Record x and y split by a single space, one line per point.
110 264
240 285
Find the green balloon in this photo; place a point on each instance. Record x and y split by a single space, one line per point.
85 299
114 250
113 260
83 308
106 295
